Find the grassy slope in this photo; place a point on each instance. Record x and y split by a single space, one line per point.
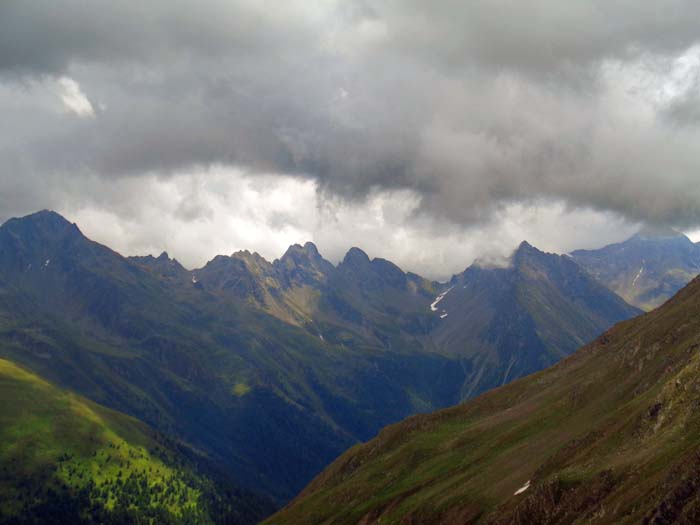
611 432
63 457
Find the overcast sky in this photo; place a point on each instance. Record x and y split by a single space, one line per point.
429 133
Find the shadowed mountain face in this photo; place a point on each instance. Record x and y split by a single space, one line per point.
514 320
274 369
270 401
609 435
647 269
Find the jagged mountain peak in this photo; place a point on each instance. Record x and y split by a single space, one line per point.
46 216
297 252
525 249
310 248
389 272
525 254
162 265
40 240
355 257
304 263
220 259
42 223
646 269
253 258
524 246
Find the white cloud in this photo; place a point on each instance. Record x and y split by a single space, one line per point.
228 211
73 98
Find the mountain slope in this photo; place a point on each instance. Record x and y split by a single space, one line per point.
610 435
64 459
646 269
512 321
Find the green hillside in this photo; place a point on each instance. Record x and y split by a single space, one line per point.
609 435
64 459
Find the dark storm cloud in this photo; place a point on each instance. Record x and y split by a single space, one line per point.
539 35
45 36
473 105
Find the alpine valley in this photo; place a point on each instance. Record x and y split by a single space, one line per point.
610 435
136 388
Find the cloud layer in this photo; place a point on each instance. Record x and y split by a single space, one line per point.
462 114
193 216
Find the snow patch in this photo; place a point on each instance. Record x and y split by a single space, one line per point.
638 274
47 262
439 298
194 280
522 489
443 315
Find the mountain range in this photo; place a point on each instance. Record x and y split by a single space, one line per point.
265 399
646 269
272 369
